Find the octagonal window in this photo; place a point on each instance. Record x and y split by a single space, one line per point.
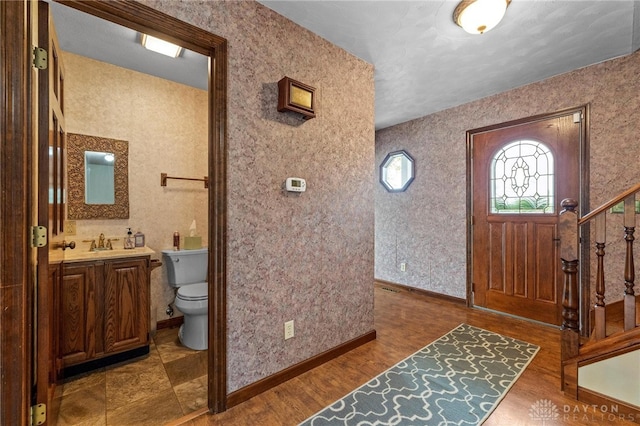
397 171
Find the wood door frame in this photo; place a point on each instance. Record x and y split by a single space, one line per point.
583 197
16 162
16 282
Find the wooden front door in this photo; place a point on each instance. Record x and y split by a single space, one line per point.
520 174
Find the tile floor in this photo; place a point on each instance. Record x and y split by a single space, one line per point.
163 386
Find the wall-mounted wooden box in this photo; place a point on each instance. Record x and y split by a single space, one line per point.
297 97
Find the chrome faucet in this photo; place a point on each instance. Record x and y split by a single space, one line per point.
101 241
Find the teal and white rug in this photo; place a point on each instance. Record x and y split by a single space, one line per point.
457 380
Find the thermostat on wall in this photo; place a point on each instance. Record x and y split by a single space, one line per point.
296 184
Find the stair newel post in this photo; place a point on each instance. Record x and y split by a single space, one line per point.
568 228
570 332
599 308
629 271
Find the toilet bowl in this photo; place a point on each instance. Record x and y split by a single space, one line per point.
192 301
187 271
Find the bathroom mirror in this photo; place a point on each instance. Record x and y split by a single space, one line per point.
397 171
98 177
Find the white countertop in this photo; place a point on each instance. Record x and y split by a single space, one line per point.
80 255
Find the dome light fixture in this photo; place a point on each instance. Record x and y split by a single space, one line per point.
479 16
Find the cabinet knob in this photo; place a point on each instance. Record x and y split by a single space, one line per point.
70 244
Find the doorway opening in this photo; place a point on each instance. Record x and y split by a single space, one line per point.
149 21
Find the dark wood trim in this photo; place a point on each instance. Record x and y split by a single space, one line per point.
469 230
274 380
170 323
616 344
16 283
143 18
591 398
188 417
584 270
418 291
525 120
614 311
217 380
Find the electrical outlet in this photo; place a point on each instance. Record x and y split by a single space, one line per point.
70 227
403 266
288 330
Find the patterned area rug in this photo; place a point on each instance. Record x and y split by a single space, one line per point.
457 380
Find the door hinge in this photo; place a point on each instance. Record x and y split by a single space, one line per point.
40 58
38 236
473 287
577 117
38 414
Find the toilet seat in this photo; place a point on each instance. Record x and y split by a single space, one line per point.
194 292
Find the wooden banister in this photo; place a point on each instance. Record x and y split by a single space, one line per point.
606 206
600 345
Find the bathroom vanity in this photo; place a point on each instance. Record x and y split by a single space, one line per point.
102 307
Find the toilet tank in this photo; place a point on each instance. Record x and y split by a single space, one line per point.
186 267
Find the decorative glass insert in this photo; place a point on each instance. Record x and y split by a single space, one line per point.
522 179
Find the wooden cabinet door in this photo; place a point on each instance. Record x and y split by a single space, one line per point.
126 304
77 313
53 324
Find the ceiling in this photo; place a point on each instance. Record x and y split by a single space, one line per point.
424 62
104 41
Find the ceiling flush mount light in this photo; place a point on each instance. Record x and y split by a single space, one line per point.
160 46
479 16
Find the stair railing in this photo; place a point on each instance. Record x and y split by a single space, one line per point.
569 228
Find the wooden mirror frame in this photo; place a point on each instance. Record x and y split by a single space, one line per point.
77 144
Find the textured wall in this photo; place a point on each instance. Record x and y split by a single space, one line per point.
426 225
165 124
308 257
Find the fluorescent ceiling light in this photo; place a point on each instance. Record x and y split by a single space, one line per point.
160 46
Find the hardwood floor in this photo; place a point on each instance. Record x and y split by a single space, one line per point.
405 322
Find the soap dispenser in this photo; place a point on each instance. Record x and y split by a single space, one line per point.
129 241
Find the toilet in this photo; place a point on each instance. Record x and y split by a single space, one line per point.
187 271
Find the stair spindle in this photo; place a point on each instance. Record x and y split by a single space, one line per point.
629 271
599 308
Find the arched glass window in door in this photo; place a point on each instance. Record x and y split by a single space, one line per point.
522 179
